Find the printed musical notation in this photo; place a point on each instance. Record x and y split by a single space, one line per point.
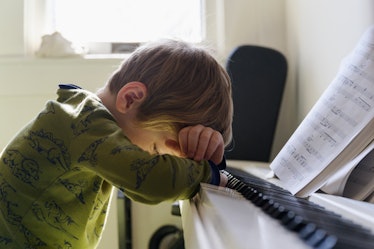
342 111
365 91
364 53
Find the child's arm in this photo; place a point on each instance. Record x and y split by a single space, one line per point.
203 143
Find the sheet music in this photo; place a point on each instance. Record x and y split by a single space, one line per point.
343 110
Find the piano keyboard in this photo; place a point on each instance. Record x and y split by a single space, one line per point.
313 224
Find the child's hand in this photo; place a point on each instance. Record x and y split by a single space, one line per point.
199 142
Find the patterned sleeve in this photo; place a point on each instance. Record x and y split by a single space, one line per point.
104 149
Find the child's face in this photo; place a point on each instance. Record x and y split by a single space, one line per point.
155 142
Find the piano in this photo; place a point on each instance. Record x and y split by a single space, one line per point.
255 211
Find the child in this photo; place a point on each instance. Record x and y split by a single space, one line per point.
169 101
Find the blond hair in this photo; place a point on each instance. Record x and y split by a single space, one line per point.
185 86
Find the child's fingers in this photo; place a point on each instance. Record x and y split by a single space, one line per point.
215 150
200 142
183 140
189 139
205 146
211 146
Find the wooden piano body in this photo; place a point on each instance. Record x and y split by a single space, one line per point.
221 218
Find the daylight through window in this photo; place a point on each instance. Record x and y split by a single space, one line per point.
127 21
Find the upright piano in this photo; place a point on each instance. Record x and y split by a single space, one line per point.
255 211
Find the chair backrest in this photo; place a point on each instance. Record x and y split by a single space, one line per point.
258 77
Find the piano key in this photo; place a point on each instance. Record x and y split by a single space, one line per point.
316 238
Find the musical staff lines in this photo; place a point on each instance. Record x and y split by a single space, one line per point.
336 124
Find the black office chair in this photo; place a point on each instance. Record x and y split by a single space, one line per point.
258 77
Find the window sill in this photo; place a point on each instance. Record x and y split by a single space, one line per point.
21 76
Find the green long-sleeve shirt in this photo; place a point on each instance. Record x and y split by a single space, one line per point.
57 174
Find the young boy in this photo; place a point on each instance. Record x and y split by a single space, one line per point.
156 130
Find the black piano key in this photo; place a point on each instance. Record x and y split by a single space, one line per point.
258 199
262 200
316 237
288 217
279 212
250 193
327 243
265 207
272 208
293 222
296 224
307 230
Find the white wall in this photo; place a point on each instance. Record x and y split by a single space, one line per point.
26 84
320 34
236 22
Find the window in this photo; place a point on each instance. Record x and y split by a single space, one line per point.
124 23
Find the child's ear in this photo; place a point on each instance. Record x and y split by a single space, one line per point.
130 96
